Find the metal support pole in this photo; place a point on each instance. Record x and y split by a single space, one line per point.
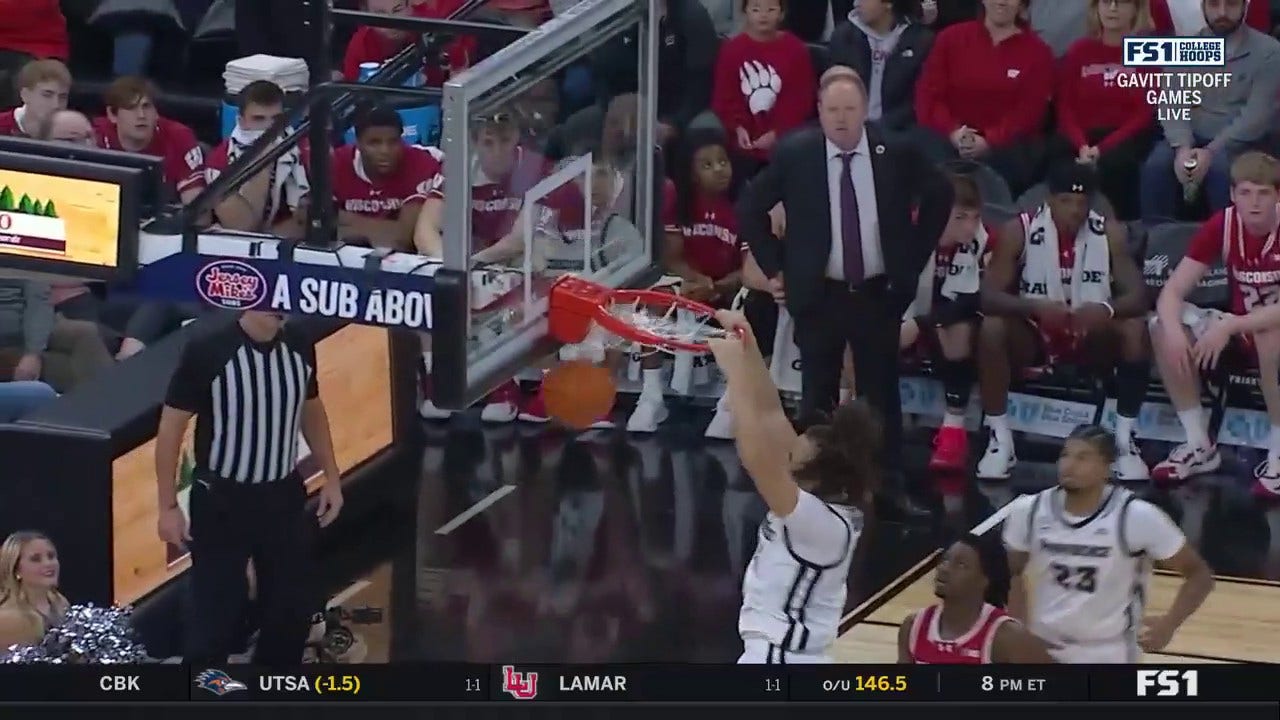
322 224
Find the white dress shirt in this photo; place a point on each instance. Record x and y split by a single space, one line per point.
865 186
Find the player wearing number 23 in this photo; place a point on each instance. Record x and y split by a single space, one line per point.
1243 237
1086 547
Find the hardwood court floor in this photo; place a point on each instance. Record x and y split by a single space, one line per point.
1239 622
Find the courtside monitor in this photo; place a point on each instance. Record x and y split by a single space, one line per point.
153 191
68 218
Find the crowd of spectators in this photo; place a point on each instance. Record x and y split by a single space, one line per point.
1010 84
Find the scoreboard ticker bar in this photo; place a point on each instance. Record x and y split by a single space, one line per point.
456 683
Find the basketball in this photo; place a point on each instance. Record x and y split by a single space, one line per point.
577 393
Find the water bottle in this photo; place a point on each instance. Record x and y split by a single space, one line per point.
1192 187
368 69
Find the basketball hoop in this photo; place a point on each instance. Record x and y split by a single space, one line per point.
583 311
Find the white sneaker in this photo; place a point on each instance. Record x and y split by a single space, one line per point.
997 462
721 427
1129 465
503 405
650 412
1185 462
428 411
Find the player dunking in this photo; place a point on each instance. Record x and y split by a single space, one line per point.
815 485
970 625
1086 547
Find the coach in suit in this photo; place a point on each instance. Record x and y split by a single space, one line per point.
854 250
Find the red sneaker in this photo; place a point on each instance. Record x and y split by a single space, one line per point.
950 450
1266 482
533 409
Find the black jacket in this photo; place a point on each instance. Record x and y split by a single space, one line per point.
904 181
687 47
849 46
808 18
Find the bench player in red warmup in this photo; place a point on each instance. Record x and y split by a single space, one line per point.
1244 236
970 625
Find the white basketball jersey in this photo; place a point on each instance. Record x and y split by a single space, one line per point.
1086 585
789 601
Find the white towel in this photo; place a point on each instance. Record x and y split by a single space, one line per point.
289 176
963 278
1041 273
784 364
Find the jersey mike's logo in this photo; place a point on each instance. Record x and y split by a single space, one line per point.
231 284
519 685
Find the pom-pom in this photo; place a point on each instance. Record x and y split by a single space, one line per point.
87 635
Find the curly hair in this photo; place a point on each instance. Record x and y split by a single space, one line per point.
848 445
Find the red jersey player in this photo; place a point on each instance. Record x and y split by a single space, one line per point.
43 86
1061 286
133 125
273 200
1186 338
502 172
380 183
969 626
946 313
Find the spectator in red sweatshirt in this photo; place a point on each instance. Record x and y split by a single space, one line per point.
1186 17
985 91
764 84
375 45
1099 121
29 30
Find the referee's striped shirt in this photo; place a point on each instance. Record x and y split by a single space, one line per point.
247 397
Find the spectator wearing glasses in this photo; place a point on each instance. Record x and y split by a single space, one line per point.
1100 122
132 124
1196 154
887 49
984 93
68 126
43 87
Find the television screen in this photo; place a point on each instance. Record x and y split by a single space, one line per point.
69 218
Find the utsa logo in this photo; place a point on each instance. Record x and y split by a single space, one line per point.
218 682
519 685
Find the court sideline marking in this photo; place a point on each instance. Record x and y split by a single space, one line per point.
917 571
476 509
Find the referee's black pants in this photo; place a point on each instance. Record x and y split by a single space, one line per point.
861 318
230 524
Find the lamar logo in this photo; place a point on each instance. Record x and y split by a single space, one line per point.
1169 683
519 685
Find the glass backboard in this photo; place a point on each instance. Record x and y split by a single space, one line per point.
548 188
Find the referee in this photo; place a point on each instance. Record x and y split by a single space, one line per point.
252 387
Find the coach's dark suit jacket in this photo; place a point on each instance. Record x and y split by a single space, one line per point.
797 177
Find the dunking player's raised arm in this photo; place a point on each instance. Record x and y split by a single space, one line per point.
762 430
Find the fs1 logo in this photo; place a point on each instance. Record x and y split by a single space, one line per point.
519 685
1175 52
1169 683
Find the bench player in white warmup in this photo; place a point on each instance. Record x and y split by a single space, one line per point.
1086 547
815 485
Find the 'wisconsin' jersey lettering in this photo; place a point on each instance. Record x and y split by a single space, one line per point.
794 597
1087 585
